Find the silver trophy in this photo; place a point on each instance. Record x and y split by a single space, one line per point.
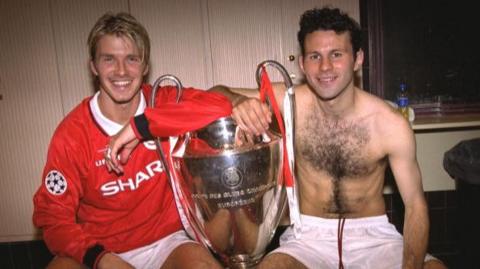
229 188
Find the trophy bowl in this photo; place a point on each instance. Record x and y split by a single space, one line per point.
233 190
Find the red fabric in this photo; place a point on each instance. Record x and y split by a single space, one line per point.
266 90
195 110
199 145
119 212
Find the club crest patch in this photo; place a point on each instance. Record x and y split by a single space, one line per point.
55 183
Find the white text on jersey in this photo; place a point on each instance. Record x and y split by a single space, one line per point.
115 186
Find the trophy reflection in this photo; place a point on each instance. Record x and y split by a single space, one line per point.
232 189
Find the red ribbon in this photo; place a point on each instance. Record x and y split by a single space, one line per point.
266 90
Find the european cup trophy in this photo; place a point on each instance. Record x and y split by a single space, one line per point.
229 188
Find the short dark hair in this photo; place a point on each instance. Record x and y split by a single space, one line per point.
326 19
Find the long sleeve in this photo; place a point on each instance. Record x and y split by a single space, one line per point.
57 200
195 110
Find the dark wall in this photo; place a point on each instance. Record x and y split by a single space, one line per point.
429 44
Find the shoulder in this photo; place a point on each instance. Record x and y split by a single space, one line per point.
71 129
388 125
381 110
303 95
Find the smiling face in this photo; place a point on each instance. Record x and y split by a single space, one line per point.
120 69
329 64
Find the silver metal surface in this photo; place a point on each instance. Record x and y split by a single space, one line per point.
287 80
159 81
233 184
155 87
286 77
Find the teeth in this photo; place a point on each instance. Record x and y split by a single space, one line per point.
121 83
327 79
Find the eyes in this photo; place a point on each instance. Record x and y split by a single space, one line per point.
315 56
134 59
129 59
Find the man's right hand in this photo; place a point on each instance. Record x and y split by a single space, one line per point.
112 261
252 116
122 144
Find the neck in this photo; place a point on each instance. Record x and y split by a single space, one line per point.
120 113
340 107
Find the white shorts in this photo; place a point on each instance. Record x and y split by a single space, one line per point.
370 242
154 255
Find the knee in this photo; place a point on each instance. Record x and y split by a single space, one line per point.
64 262
191 255
280 261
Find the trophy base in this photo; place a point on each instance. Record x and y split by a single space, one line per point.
241 261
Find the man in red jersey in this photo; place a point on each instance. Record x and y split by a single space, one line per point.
93 217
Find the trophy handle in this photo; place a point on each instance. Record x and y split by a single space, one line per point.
178 196
289 122
156 85
286 78
289 106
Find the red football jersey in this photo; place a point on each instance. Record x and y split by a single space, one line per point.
80 204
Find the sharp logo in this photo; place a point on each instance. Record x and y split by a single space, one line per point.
123 184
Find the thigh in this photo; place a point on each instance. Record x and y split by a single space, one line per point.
65 263
280 261
191 255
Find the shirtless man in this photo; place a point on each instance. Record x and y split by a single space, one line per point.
345 139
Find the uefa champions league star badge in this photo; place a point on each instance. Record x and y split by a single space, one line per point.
55 183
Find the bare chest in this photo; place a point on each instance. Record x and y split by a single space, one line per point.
339 148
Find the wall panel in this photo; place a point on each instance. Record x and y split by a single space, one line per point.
243 34
29 110
72 21
179 45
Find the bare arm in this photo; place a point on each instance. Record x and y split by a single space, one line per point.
249 113
403 161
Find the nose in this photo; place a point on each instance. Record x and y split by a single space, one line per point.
120 68
325 64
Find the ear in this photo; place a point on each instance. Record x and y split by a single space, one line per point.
358 60
93 68
300 63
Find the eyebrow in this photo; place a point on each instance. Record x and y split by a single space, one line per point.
104 55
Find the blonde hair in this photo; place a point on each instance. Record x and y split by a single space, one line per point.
120 24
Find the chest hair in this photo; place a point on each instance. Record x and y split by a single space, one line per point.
334 146
337 148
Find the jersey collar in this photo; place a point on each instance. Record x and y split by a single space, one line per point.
109 126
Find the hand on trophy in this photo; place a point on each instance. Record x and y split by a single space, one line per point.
252 116
119 149
244 138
